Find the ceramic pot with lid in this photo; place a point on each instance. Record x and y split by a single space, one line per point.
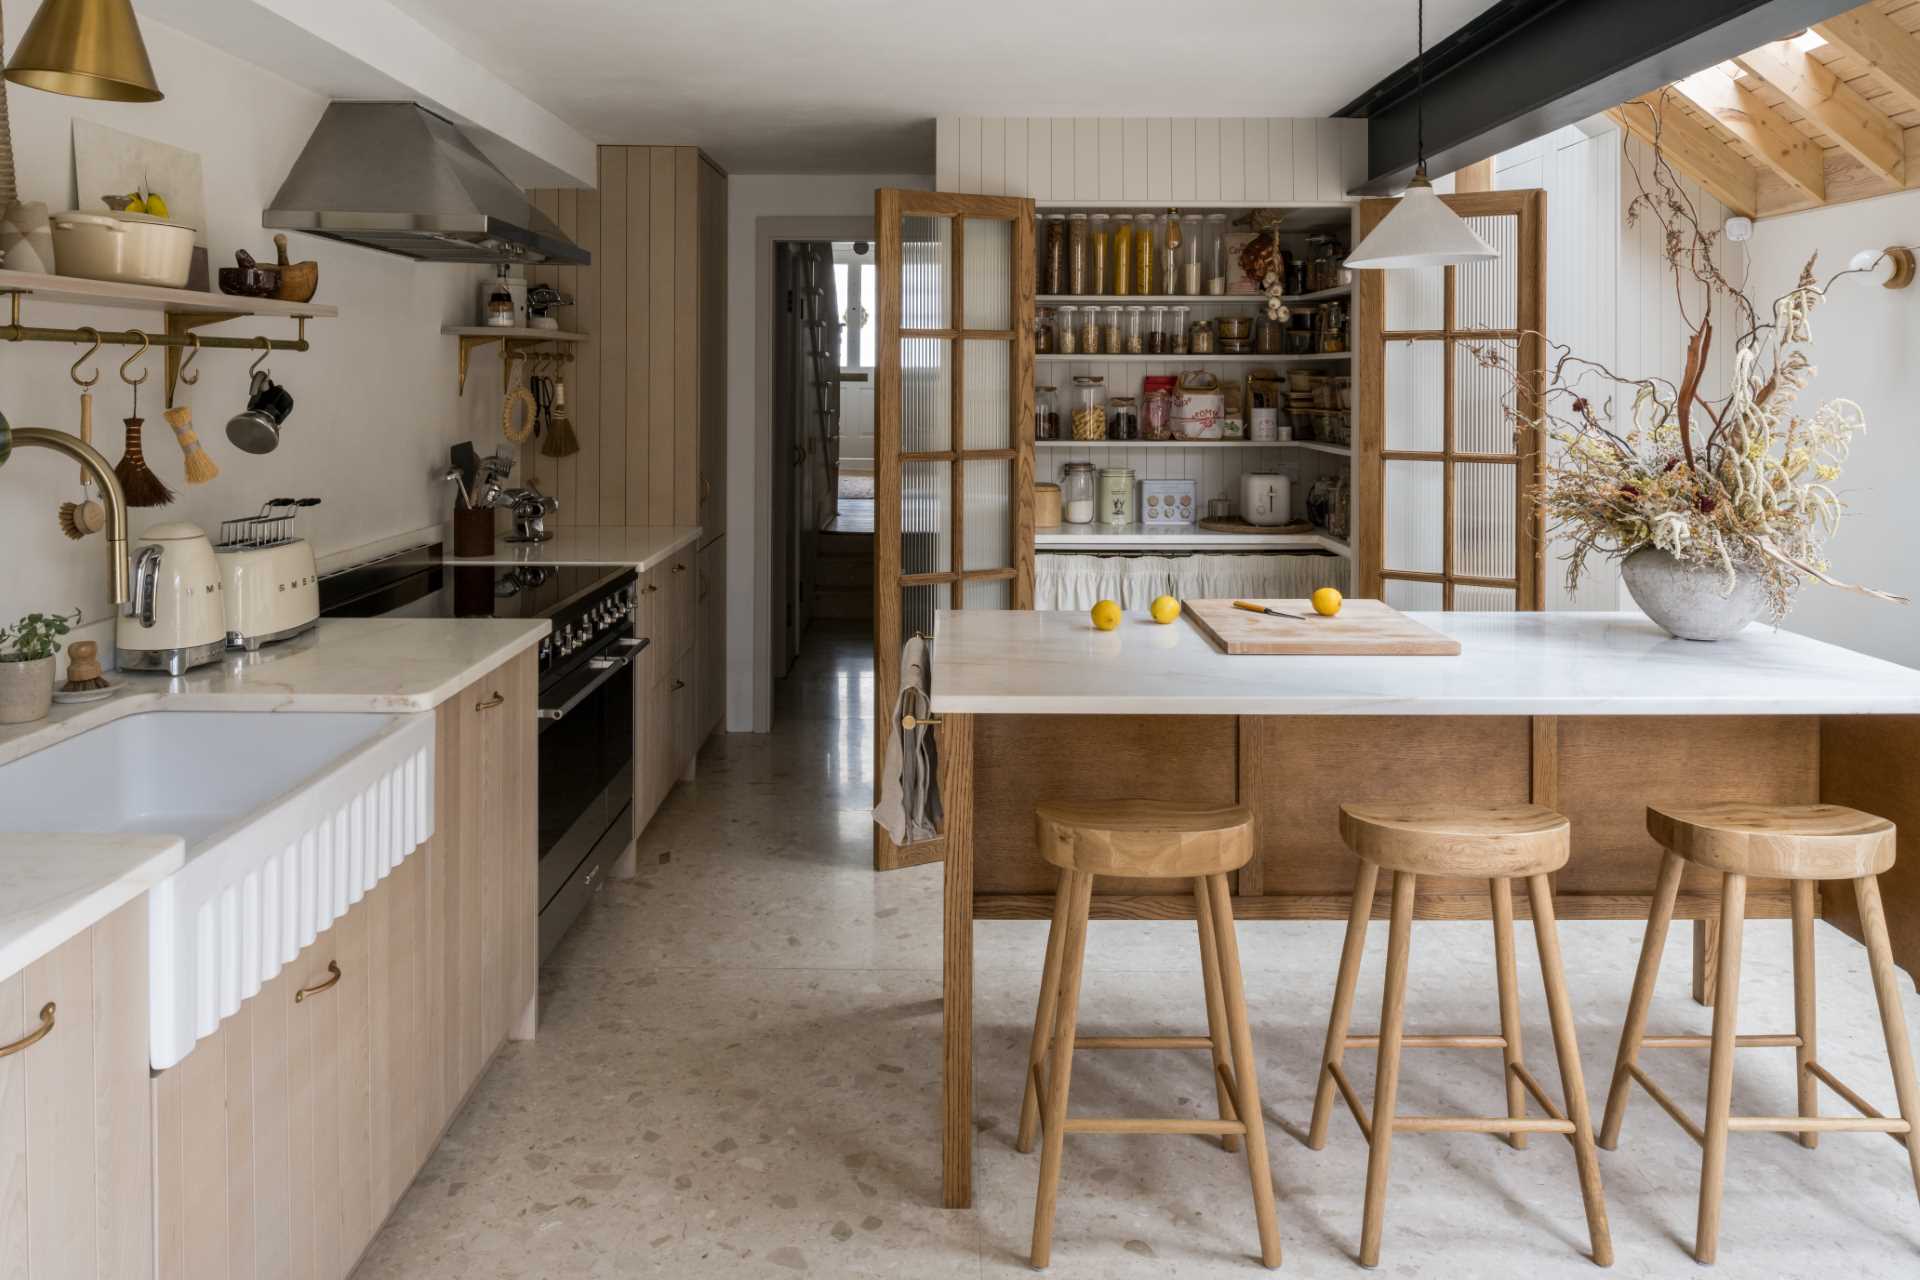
131 248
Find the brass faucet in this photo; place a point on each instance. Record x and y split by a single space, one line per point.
87 456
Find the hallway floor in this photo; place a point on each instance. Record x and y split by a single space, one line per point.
737 1075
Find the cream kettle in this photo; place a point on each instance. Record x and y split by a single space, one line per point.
175 618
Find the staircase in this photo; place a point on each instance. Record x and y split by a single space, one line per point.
843 575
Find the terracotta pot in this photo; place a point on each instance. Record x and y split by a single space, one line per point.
1691 601
26 690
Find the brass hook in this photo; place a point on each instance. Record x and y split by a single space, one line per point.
266 349
134 382
85 356
193 340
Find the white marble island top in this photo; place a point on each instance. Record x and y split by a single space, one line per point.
998 662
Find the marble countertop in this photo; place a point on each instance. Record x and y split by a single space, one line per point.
1055 663
54 886
641 546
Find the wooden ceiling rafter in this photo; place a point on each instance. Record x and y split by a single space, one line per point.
1822 118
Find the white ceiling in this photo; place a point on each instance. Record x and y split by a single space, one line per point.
852 86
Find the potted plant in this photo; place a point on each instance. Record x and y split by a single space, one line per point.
1717 501
26 665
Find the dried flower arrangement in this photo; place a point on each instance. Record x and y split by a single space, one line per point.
1742 481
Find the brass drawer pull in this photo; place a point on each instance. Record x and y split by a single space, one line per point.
652 587
333 967
679 568
33 1037
678 685
488 704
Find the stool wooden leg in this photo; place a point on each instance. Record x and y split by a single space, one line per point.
1804 998
1509 983
1726 1010
1216 1005
1246 1069
1393 1006
1341 1018
1060 1076
1886 986
1573 1082
1665 892
1043 1015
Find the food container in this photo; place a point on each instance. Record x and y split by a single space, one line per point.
1177 331
1191 280
1046 506
130 248
1135 332
1214 240
1238 328
1143 254
1120 281
1110 339
1099 228
1089 409
1077 493
1066 338
1045 340
1076 253
1166 502
1089 330
1123 418
1116 495
1156 331
1156 412
1053 255
1200 338
1269 337
1046 413
1197 407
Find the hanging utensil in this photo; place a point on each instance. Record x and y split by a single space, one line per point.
141 487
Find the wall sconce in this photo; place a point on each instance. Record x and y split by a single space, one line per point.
1878 260
85 49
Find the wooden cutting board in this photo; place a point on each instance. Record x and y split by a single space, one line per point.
1362 628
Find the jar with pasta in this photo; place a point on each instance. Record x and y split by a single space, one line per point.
1143 254
1066 338
1076 253
1110 340
1099 274
1089 407
1121 279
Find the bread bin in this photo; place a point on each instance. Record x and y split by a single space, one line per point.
131 248
1266 498
268 593
1197 407
177 620
1046 506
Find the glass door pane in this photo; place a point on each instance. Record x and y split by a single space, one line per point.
926 261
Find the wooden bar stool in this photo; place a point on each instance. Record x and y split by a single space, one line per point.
1801 844
1143 838
1501 844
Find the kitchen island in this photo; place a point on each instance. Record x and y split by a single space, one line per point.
1595 715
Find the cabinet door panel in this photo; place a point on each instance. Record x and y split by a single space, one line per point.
60 1114
13 1122
680 593
349 1019
122 1129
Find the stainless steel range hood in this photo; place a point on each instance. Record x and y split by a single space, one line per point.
397 177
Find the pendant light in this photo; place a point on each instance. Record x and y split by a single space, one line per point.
1420 231
85 49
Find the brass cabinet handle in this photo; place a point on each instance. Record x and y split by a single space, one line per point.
678 685
679 568
652 587
33 1037
333 967
488 704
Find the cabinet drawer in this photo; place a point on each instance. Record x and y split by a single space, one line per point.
685 701
681 583
656 624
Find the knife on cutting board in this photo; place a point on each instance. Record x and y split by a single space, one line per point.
1251 607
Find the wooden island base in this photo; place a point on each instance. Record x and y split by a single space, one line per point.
1294 772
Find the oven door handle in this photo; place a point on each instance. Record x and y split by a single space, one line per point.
608 668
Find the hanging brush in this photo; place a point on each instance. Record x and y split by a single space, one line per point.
78 519
200 468
137 481
561 442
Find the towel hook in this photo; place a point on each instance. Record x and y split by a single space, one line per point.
193 340
910 722
266 349
144 345
85 356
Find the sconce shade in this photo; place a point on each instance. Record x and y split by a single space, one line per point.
1420 232
85 49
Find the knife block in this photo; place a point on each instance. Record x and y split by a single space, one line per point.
472 531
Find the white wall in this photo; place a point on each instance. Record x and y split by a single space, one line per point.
376 407
750 199
1865 338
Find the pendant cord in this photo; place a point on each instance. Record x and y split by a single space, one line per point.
1420 74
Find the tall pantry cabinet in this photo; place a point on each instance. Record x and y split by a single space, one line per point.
647 395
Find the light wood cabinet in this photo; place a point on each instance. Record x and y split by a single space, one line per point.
710 612
76 1149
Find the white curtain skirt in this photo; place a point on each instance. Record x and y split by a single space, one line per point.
1079 580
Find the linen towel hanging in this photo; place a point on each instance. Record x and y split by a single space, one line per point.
909 806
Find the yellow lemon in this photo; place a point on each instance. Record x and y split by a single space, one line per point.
1165 609
1326 602
156 206
1106 615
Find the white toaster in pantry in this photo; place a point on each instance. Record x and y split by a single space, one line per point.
271 592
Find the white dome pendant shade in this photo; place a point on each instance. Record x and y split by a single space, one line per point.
1420 232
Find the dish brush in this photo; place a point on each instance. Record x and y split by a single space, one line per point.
83 668
561 442
78 519
200 468
137 481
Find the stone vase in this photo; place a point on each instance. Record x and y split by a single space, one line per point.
26 690
1691 601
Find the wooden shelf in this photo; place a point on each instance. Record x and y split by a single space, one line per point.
1191 359
518 334
1315 446
1136 537
1188 299
142 297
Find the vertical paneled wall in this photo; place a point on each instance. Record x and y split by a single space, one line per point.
646 390
1141 158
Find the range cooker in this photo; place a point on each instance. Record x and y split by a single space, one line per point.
586 709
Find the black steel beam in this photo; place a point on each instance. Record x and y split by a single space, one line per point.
1524 68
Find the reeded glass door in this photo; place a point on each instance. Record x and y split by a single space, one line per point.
1447 518
953 427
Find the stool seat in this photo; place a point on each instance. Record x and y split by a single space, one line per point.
1792 842
1151 838
1506 841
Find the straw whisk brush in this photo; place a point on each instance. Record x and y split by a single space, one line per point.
200 468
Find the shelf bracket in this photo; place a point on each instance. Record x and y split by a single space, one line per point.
511 349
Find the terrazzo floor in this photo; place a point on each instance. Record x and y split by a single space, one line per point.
737 1076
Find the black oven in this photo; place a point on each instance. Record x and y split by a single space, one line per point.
586 708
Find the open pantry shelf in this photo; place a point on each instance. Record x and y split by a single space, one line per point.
1156 299
1339 450
1341 357
142 297
1180 537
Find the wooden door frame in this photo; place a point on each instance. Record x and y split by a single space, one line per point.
1530 208
890 206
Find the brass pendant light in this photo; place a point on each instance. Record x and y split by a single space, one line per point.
85 49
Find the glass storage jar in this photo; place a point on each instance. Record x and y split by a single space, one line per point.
1116 495
1046 413
1177 330
1099 227
1089 407
1120 280
1076 253
1077 484
1044 334
1053 255
1067 336
1136 331
1123 418
1089 330
1110 342
1156 331
1143 251
1200 338
1170 241
1156 415
1190 260
1215 238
